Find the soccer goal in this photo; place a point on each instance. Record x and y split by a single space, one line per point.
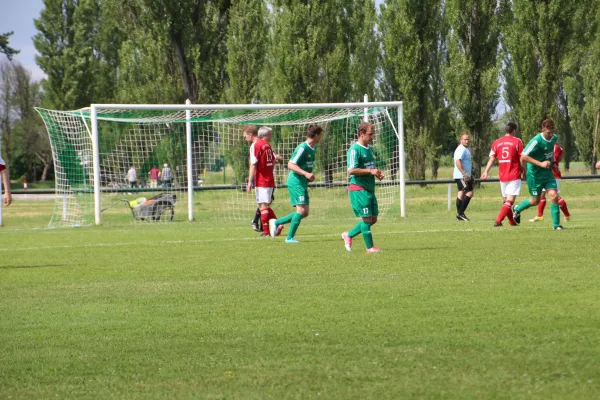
186 162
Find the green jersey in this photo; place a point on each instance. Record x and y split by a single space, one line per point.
362 157
541 150
303 157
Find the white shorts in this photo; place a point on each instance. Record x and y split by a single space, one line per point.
511 188
264 195
557 186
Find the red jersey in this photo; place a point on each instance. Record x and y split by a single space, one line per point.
508 151
261 155
558 153
2 165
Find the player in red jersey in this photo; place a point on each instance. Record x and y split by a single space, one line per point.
508 151
6 182
262 165
558 154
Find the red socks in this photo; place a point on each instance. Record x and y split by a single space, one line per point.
541 206
563 206
506 211
271 213
264 219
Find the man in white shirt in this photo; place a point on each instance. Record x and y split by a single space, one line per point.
132 177
463 177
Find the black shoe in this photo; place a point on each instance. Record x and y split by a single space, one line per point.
255 227
464 217
559 228
458 218
497 224
516 216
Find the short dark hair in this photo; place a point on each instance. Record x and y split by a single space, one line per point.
313 130
548 124
251 129
511 127
363 127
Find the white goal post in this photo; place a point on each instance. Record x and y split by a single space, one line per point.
93 148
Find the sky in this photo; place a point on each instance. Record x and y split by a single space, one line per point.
18 16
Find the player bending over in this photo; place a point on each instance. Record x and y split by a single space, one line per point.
301 166
262 164
539 155
558 153
250 133
508 151
362 172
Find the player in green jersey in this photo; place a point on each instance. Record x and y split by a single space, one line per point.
539 157
301 166
362 172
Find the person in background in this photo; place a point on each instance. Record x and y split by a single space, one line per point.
6 182
462 177
154 174
132 177
166 175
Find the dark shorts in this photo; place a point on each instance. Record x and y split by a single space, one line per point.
464 186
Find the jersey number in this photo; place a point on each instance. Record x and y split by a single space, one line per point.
365 210
269 156
300 198
505 153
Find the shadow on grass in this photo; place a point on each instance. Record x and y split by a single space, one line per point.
31 266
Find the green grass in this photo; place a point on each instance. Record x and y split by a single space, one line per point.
206 310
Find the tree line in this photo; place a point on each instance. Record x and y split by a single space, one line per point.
448 60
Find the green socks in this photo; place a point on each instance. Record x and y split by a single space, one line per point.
356 230
285 220
296 218
365 229
555 211
525 204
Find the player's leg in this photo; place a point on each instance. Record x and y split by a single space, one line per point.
510 191
302 211
368 223
540 208
554 207
468 191
562 203
298 198
255 220
535 191
459 196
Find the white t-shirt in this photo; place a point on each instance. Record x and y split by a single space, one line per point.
132 175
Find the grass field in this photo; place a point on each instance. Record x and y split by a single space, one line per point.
207 310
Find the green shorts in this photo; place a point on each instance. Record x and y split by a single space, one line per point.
364 203
298 195
537 184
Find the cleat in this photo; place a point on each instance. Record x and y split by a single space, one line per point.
256 227
464 217
516 216
497 224
279 229
536 219
273 227
373 250
559 228
292 240
568 218
459 218
347 241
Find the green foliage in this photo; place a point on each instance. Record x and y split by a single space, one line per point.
5 48
473 67
247 44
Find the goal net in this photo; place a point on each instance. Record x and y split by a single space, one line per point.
152 167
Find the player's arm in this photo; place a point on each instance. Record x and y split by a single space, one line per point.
251 172
365 171
530 160
6 182
294 167
488 167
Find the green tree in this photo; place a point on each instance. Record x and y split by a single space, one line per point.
247 44
5 48
539 38
412 47
473 67
78 46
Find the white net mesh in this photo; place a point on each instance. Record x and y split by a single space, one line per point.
148 140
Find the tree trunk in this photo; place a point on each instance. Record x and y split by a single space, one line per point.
189 90
595 147
47 166
435 166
